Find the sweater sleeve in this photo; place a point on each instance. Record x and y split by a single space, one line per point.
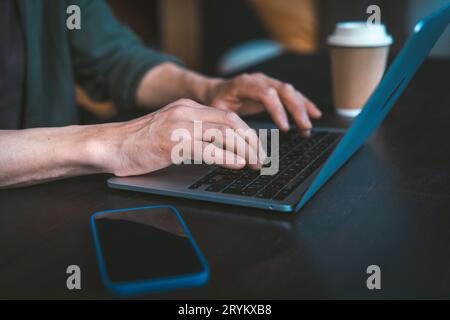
109 60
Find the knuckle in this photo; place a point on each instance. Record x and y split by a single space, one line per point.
259 75
179 110
233 116
268 92
243 77
184 101
288 88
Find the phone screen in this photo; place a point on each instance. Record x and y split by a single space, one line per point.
145 244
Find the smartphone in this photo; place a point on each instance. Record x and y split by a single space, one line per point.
147 249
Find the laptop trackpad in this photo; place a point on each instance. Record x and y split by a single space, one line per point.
173 177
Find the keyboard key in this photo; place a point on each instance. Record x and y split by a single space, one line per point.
299 158
267 193
233 190
250 191
196 185
283 194
218 186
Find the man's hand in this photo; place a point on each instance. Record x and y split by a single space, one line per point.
146 144
245 94
253 93
129 148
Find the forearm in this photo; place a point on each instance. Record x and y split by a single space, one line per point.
37 155
169 82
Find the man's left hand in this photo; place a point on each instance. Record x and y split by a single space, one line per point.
253 93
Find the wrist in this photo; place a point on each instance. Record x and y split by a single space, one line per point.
108 146
203 89
195 86
168 82
98 147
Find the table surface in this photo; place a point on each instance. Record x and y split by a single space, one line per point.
389 206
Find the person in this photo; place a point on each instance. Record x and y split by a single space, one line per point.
41 59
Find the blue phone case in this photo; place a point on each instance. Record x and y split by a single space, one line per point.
150 285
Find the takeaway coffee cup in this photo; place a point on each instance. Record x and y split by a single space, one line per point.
359 54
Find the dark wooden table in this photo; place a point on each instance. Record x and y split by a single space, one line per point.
390 206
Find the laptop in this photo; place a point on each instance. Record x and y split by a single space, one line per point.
305 165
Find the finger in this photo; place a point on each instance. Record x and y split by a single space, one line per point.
227 138
313 110
211 154
311 107
232 120
296 106
208 153
250 107
268 96
214 115
195 112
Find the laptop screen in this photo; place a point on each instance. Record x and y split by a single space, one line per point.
426 33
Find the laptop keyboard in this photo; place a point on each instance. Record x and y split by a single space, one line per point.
299 158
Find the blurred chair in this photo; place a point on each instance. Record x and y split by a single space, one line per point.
102 111
248 54
292 25
141 17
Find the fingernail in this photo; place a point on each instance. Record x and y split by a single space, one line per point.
307 122
306 133
240 160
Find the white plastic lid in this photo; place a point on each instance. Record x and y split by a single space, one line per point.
359 34
348 113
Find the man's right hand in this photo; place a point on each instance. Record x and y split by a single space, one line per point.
130 148
145 144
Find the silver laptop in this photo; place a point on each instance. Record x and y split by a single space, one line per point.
305 164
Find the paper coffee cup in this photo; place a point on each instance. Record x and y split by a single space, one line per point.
359 54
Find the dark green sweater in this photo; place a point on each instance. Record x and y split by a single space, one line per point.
104 58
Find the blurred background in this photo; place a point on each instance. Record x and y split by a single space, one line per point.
219 37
